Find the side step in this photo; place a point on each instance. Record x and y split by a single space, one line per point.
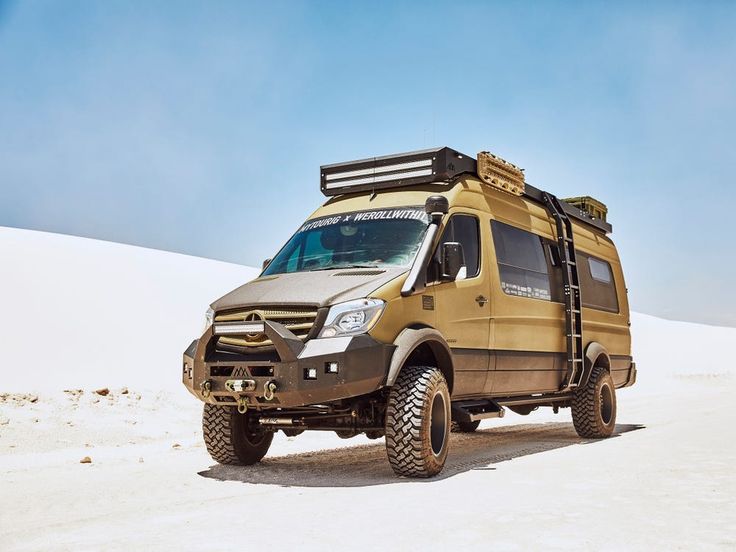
472 411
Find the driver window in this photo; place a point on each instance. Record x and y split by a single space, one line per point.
465 230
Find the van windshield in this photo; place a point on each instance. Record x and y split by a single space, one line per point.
361 239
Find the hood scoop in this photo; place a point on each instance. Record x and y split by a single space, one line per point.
360 273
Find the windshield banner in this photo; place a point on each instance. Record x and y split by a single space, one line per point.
403 213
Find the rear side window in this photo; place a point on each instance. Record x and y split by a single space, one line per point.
600 271
463 229
596 283
522 264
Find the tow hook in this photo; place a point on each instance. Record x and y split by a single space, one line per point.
242 405
268 390
205 388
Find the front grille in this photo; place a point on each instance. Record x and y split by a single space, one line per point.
298 320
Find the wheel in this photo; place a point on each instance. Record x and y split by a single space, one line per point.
465 427
229 437
594 406
418 422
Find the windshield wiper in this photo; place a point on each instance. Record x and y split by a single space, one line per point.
340 267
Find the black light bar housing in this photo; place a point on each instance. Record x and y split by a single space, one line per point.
421 167
392 171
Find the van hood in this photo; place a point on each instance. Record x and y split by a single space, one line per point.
321 288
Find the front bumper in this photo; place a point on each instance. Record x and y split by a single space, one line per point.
362 367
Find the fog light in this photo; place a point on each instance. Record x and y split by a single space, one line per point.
310 373
331 368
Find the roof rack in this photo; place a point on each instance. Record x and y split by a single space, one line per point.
428 166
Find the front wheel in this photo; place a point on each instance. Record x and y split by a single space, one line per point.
418 422
231 438
594 406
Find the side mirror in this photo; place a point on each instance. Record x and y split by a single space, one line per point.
265 264
451 261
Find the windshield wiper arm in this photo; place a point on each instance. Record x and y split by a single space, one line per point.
339 267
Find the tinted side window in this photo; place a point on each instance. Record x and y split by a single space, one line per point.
465 230
522 264
596 283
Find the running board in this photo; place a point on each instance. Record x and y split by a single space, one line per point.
540 400
472 411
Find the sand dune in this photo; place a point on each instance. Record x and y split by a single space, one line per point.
80 315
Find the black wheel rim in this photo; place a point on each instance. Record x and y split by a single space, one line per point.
438 424
606 404
254 435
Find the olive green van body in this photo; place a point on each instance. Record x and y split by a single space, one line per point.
488 343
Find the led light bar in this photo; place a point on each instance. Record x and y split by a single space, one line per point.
247 328
392 171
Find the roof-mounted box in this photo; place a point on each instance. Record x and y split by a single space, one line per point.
590 205
391 171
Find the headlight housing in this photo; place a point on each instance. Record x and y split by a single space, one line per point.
352 317
209 318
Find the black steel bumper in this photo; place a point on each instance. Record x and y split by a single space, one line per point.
362 365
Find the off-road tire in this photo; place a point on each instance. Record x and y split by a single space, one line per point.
418 422
594 406
229 439
465 427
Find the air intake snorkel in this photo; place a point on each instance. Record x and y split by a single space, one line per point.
436 207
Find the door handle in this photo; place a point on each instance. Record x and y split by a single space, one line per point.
481 300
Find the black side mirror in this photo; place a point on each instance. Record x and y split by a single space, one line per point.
265 264
452 260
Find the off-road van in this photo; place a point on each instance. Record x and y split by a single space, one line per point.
430 291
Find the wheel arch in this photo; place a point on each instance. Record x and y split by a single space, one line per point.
421 346
595 355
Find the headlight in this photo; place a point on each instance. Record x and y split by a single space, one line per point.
353 317
209 318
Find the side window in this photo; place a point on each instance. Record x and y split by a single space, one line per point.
596 283
465 230
522 264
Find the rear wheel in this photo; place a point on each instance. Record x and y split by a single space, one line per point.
231 438
594 406
418 422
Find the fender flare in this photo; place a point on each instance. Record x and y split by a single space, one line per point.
408 341
595 355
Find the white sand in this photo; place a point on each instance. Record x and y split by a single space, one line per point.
83 314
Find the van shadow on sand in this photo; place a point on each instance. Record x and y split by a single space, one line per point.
367 465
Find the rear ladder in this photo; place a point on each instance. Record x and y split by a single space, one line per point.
573 301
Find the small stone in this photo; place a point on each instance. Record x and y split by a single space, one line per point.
86 460
32 398
104 391
4 420
124 391
176 445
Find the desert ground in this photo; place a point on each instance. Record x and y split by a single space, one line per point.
92 335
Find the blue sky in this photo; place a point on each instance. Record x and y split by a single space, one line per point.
200 127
